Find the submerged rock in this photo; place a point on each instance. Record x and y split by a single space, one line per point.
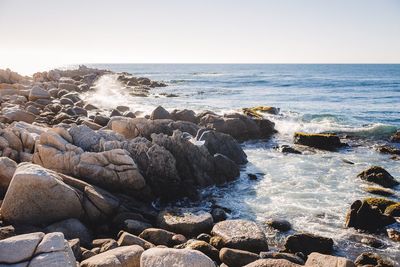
308 243
280 224
396 137
241 234
378 175
320 141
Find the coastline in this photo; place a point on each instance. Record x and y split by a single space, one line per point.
138 158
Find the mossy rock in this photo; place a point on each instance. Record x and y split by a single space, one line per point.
380 203
376 190
378 175
325 141
254 112
393 210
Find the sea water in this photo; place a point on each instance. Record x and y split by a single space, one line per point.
314 190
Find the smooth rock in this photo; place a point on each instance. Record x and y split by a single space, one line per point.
128 256
317 260
72 228
378 175
320 141
308 243
38 92
7 169
158 236
160 113
280 224
127 239
272 263
372 259
19 248
281 255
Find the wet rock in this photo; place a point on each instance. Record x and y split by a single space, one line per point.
316 260
280 224
388 150
380 203
396 137
373 259
158 236
128 256
378 175
38 92
16 114
37 195
393 234
127 239
393 210
184 115
237 258
203 247
7 231
7 169
135 227
204 237
256 112
379 191
372 242
218 215
71 228
252 176
281 255
160 113
160 257
37 249
186 222
320 141
115 112
272 263
308 243
241 234
365 217
288 149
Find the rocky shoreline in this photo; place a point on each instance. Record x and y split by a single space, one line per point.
77 183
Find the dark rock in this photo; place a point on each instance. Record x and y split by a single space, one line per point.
135 227
225 169
281 255
396 137
236 257
204 237
252 176
203 247
158 236
217 242
393 234
378 175
321 141
101 120
308 243
372 242
184 126
288 149
184 115
160 113
115 112
362 216
122 109
280 224
393 210
66 101
373 259
385 149
7 231
379 191
380 203
72 228
218 215
129 114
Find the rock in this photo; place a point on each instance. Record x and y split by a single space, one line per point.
90 107
68 87
386 149
203 247
372 242
122 108
115 113
186 222
38 92
131 128
362 216
135 227
184 126
288 149
218 215
236 257
378 175
317 260
6 231
393 234
393 210
37 249
280 224
37 196
129 114
220 143
184 115
76 248
160 257
376 190
128 256
255 111
101 120
16 114
158 236
127 239
308 243
241 234
7 169
380 203
396 137
272 263
204 237
72 228
160 113
373 259
320 141
225 169
178 239
281 255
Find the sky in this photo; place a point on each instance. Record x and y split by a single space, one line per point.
40 34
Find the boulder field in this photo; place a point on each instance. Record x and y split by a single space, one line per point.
78 184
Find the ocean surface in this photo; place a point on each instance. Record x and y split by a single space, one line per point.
314 190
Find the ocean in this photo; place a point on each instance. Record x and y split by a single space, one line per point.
314 190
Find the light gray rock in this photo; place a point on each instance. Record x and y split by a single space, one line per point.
317 259
7 169
19 248
72 228
128 256
127 239
38 92
161 257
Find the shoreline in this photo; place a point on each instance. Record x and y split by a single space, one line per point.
166 154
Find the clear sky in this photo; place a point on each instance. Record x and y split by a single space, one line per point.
35 34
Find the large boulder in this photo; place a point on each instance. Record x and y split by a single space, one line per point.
37 249
308 243
161 257
236 257
160 113
7 169
241 234
320 141
127 256
158 236
365 217
36 195
378 175
372 259
186 222
184 115
38 92
317 259
201 246
16 114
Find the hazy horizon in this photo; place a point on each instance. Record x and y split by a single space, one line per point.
43 34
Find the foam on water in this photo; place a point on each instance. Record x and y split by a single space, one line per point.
314 190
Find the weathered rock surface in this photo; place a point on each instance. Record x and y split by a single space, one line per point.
161 257
308 243
317 259
127 256
186 222
236 257
372 259
72 228
127 239
282 255
320 141
378 175
201 246
272 263
37 195
396 137
241 234
16 114
37 92
158 236
36 249
7 169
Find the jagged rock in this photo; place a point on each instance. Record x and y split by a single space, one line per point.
127 256
316 260
378 175
36 195
241 234
158 236
127 239
37 249
186 222
160 113
372 259
38 92
134 127
7 169
160 257
308 243
72 228
237 258
288 149
185 126
272 263
321 141
362 216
